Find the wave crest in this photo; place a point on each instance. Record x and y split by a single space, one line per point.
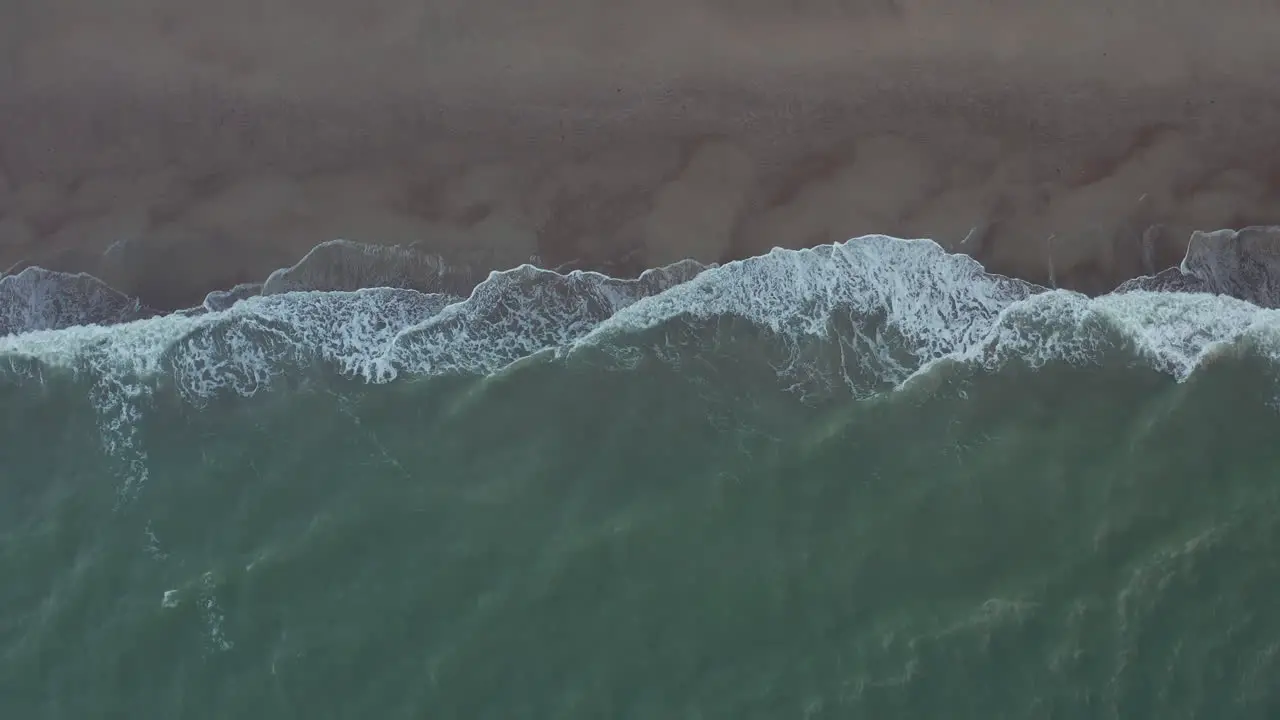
887 305
1172 332
869 314
244 349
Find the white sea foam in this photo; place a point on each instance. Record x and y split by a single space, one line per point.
212 616
887 309
910 302
519 312
935 306
890 305
373 334
244 347
937 302
1174 333
240 349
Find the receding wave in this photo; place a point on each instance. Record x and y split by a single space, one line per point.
1244 264
39 299
345 265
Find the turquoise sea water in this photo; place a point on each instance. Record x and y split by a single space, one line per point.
863 481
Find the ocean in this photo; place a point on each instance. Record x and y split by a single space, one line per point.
866 480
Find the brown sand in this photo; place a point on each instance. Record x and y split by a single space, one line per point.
177 147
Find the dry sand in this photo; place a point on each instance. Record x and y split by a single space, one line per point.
174 147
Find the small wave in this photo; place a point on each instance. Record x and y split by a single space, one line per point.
220 300
523 311
339 265
1243 264
892 308
887 304
242 349
1174 333
374 334
39 299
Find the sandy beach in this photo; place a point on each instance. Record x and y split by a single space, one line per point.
176 148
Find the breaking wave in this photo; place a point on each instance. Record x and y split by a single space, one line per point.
870 312
865 315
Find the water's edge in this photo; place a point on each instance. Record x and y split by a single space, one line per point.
1243 264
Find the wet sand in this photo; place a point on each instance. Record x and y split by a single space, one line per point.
173 148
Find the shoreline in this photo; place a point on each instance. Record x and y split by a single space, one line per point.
1237 264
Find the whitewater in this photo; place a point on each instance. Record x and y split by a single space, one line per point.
906 305
867 479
